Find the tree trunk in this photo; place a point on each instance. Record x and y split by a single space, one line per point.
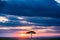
31 36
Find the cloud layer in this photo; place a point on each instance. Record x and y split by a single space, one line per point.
12 20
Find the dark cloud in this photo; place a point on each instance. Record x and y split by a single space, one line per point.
44 21
46 8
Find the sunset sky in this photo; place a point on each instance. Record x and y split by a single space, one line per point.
17 26
20 16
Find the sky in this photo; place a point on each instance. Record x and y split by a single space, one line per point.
20 16
46 8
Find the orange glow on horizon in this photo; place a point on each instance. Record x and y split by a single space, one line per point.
23 35
21 31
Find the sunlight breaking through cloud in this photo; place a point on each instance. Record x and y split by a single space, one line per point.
20 18
3 19
58 1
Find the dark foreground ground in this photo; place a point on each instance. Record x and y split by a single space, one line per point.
56 38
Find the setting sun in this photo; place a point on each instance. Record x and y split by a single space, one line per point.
22 35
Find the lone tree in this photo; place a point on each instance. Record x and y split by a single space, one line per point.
31 32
